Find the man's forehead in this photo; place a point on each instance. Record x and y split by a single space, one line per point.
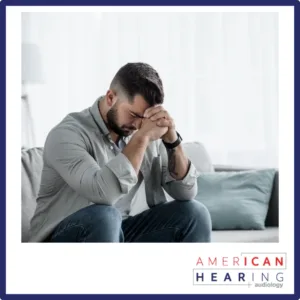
139 105
139 100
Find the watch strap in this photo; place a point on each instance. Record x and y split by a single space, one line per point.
175 144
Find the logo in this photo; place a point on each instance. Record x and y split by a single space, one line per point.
252 270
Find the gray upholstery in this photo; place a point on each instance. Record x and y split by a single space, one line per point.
32 163
269 235
198 156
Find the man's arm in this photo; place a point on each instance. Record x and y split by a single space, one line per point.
135 150
178 163
179 181
179 175
66 152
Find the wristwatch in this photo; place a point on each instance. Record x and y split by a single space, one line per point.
171 146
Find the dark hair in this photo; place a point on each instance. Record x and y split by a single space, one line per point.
139 78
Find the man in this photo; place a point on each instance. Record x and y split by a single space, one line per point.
114 158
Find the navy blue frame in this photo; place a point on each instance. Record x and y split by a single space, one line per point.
4 3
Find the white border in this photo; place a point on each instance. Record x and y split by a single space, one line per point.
135 268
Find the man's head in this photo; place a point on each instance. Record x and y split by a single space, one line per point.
135 87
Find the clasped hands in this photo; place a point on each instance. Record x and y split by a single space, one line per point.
157 123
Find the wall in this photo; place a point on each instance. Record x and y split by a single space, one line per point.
219 71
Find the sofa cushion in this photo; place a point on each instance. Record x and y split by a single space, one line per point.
32 164
199 156
236 200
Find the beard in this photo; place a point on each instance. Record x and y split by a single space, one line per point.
112 123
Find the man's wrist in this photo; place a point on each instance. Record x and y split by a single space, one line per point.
174 144
141 139
171 137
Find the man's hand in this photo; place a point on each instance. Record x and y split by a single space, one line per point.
137 146
178 162
162 118
151 130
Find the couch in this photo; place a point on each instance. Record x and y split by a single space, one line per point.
32 164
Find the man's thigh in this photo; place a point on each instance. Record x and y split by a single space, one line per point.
162 223
94 223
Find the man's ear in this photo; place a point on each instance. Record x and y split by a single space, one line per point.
111 98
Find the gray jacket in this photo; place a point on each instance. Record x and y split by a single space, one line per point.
82 166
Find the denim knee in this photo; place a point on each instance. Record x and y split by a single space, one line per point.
202 217
104 212
102 223
200 220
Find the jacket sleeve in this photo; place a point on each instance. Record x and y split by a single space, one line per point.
66 152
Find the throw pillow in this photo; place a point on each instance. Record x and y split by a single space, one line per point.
236 200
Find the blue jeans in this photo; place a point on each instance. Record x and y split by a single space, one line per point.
176 221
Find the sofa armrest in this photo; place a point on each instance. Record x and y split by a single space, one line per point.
272 219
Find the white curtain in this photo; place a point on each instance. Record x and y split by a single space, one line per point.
220 73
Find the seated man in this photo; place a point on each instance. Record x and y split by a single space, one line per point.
120 153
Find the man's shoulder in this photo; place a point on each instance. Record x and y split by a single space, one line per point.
75 127
67 125
75 122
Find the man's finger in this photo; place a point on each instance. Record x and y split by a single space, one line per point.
159 115
163 123
152 111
